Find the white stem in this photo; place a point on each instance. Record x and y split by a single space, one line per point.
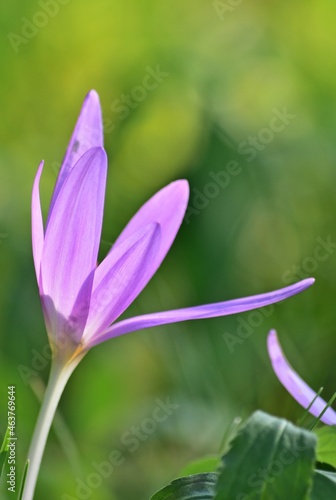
59 376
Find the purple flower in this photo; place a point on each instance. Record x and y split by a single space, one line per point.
82 300
294 384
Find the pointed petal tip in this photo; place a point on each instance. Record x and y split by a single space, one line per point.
93 96
99 149
98 152
88 133
182 182
183 185
37 221
309 281
151 230
156 228
39 169
300 286
92 92
38 175
272 340
179 189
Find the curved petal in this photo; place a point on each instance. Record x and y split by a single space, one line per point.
294 384
120 278
167 207
37 223
88 133
206 311
72 239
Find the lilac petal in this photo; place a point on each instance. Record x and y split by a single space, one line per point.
294 384
167 207
72 240
206 311
88 134
120 278
37 223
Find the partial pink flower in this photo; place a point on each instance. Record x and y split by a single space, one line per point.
294 384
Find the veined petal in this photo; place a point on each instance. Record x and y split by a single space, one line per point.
72 240
37 223
120 278
88 133
205 311
294 384
167 207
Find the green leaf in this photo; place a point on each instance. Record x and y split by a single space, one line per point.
324 487
268 458
198 486
205 464
326 445
3 451
23 480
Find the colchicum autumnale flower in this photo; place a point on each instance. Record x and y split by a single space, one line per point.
81 300
294 384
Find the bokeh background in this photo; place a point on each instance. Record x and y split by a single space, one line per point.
228 68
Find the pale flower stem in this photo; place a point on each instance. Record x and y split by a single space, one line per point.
59 376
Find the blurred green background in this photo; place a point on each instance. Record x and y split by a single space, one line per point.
230 68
